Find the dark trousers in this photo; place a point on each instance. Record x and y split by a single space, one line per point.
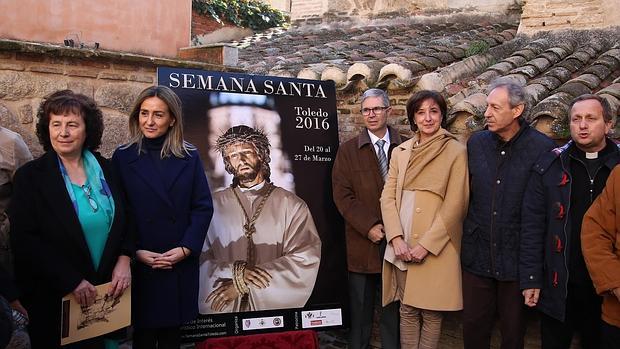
363 289
611 336
583 315
483 299
157 338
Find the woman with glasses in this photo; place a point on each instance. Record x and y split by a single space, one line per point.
423 204
171 203
67 215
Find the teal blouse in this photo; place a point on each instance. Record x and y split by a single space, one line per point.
95 223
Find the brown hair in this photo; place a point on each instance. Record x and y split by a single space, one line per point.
415 102
66 102
607 113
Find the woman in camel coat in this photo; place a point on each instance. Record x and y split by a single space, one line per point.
423 204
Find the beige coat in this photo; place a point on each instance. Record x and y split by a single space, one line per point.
440 200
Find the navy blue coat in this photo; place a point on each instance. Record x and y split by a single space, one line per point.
546 229
169 210
499 173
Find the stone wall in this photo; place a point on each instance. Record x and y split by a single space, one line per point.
282 5
304 9
29 72
544 15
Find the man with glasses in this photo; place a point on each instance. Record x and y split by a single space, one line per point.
358 176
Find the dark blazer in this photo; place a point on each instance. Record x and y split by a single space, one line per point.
357 186
51 255
171 209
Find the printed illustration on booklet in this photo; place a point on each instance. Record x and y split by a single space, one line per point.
274 251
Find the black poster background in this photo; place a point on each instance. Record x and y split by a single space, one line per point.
312 177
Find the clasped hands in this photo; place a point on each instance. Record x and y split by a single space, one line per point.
227 291
408 254
162 260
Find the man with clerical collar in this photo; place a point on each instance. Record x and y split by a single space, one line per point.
262 249
358 176
500 161
564 183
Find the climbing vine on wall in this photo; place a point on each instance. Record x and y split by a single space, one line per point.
252 14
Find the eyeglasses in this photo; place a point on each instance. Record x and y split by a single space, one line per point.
375 110
91 201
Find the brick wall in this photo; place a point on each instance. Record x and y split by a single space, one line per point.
204 24
351 122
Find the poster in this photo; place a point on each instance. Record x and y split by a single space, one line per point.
106 315
284 269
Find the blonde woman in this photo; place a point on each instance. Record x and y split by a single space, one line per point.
423 205
171 205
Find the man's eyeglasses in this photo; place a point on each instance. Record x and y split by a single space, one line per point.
91 201
375 110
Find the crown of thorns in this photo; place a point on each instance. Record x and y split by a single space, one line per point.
242 134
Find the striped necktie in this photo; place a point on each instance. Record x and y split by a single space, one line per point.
383 163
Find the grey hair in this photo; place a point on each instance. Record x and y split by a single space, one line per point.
375 92
516 92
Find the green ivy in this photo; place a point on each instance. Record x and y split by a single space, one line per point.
252 14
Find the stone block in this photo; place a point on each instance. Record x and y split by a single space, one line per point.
115 132
82 86
18 85
30 57
112 76
215 54
12 66
25 113
85 73
142 78
129 67
118 96
94 64
47 69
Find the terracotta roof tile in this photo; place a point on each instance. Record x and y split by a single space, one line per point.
502 67
571 64
529 70
515 61
575 87
444 57
548 81
602 71
428 62
415 48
